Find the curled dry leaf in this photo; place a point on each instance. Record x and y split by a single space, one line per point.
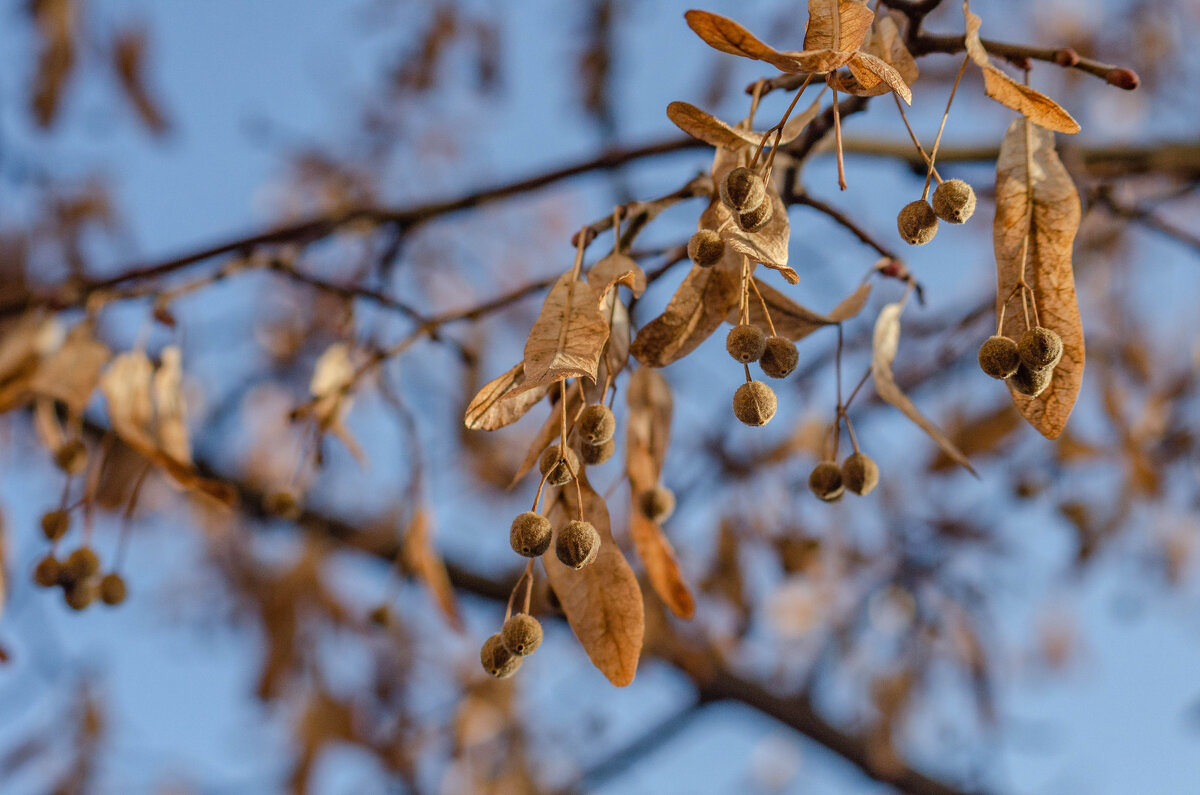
769 245
616 269
616 350
23 344
708 128
647 434
702 301
1040 203
568 336
71 373
602 601
493 408
1034 105
795 321
421 557
884 344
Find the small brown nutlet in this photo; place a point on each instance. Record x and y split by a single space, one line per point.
530 534
1040 348
498 661
577 544
745 343
283 504
705 248
1030 382
754 403
380 616
47 572
552 462
81 593
597 424
112 589
593 454
55 524
81 564
779 357
71 457
742 190
754 220
917 223
826 481
657 503
522 634
860 474
998 357
954 201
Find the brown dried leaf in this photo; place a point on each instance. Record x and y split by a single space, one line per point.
616 269
876 76
662 568
695 311
769 245
56 22
602 600
129 60
568 337
1034 105
795 321
493 408
854 20
885 342
1043 205
422 558
71 373
649 423
616 350
725 35
705 127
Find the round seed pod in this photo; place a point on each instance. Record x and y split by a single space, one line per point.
998 357
112 589
1030 382
1040 348
826 481
522 634
55 524
81 593
552 462
860 473
380 616
705 248
597 424
917 223
71 457
81 564
593 454
954 201
755 219
745 343
283 504
47 572
742 190
754 403
498 661
530 534
779 357
657 503
577 544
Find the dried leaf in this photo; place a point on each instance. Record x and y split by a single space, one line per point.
56 22
705 127
568 337
695 311
129 60
872 73
650 407
421 557
884 345
795 321
769 245
1034 105
854 21
602 600
616 350
662 568
615 269
331 380
493 408
71 373
1040 203
725 35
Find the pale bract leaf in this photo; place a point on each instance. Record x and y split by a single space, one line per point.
769 245
884 345
169 406
616 269
493 408
616 350
853 18
1043 204
330 383
794 321
1034 105
602 601
568 336
706 127
71 373
728 36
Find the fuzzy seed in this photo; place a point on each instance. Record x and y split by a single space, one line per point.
826 481
71 457
917 223
754 220
522 634
779 357
112 589
954 201
705 248
81 593
577 544
283 504
745 343
530 534
597 424
1030 382
47 572
657 503
860 473
560 470
1040 348
754 403
497 660
81 564
998 357
593 454
55 524
742 190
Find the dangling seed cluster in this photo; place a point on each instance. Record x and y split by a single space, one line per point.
858 474
917 223
556 465
597 424
1027 365
705 248
745 343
